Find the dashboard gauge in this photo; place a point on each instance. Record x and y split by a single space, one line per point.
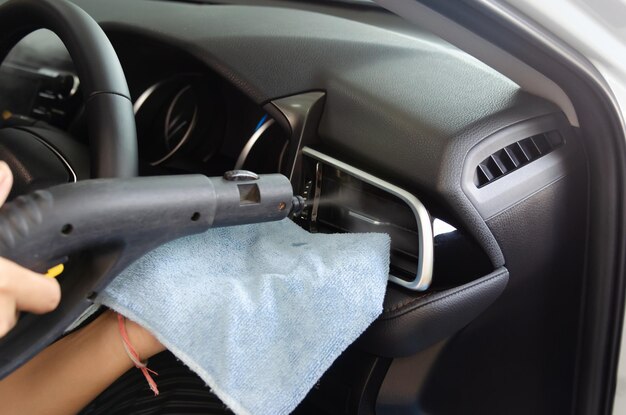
264 150
180 122
178 118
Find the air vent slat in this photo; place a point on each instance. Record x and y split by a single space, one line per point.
515 159
516 155
520 150
504 161
484 176
491 165
497 165
530 148
542 144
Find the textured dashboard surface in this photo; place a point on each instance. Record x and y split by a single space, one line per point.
407 108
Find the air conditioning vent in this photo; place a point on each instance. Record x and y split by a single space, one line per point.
516 155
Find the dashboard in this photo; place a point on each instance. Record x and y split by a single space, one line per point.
387 134
406 105
188 118
379 125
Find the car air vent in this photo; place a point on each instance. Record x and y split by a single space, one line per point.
516 155
342 198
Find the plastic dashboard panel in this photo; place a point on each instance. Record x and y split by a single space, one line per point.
413 126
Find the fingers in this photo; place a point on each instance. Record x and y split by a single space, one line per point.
30 291
20 288
6 181
8 314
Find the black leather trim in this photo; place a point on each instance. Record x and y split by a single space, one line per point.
412 321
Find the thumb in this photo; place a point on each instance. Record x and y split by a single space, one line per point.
31 291
6 181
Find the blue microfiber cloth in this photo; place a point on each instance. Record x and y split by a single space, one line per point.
260 311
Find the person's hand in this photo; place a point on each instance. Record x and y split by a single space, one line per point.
20 288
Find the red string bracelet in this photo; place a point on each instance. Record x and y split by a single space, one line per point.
134 356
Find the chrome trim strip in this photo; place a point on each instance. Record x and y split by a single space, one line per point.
144 96
317 192
166 127
60 156
75 85
251 142
424 274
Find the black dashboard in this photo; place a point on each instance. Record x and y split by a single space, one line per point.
252 86
405 104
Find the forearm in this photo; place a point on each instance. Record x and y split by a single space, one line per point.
68 375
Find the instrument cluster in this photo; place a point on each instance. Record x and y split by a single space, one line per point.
193 122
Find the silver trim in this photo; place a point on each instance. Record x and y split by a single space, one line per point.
145 95
317 192
424 273
240 175
166 127
75 86
60 156
245 152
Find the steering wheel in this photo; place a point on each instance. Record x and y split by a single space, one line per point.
40 157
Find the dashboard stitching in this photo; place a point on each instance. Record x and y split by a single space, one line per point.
409 301
498 275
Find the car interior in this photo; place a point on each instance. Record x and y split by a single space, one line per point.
381 126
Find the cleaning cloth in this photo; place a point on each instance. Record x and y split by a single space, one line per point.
259 311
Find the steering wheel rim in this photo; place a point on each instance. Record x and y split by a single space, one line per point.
110 117
113 153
